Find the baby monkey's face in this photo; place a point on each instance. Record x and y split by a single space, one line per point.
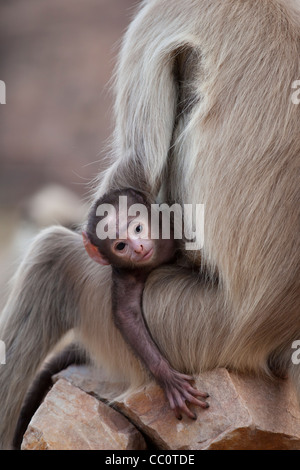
134 246
131 246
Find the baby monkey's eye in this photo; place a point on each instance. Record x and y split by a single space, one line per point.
138 228
120 246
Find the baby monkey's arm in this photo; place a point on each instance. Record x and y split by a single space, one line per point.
128 317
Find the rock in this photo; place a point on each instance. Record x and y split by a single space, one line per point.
92 380
245 413
71 419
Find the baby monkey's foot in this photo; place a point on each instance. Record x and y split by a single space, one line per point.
179 392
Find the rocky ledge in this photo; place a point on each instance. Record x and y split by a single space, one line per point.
244 413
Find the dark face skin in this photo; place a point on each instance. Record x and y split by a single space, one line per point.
132 260
137 251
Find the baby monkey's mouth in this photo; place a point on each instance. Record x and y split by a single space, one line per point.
147 256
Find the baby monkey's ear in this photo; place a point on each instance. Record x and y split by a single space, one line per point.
93 252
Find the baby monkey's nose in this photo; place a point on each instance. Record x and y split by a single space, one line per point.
139 249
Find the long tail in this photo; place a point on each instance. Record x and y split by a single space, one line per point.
72 354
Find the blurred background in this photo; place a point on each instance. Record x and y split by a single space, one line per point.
56 59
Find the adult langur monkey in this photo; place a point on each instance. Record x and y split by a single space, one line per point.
203 109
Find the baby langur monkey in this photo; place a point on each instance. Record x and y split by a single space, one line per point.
133 255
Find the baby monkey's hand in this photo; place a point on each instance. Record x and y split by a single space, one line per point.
179 391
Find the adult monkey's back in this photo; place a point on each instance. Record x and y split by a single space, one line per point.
203 106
